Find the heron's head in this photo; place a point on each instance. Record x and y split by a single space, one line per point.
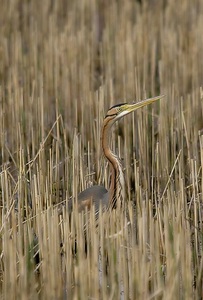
118 111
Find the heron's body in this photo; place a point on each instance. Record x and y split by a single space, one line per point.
99 195
95 195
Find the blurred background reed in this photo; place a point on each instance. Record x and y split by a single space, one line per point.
62 65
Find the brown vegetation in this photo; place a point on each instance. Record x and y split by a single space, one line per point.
62 65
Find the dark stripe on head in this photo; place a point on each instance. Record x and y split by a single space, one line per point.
117 105
110 115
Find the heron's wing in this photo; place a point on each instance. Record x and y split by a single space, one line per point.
96 195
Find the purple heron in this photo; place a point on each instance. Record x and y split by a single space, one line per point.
99 195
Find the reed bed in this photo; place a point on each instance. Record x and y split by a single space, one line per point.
62 65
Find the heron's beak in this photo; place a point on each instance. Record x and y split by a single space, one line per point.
132 107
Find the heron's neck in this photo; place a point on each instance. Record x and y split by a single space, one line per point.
117 185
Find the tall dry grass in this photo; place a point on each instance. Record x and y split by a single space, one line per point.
62 65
